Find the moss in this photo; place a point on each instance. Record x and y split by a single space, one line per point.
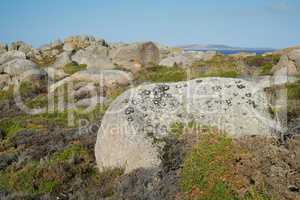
10 127
37 178
266 69
7 95
224 74
217 62
218 66
208 170
38 102
177 129
162 74
204 168
106 180
293 90
255 195
47 186
95 115
72 68
71 151
26 88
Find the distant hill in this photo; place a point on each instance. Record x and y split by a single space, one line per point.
218 47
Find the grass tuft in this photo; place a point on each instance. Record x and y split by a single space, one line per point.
72 68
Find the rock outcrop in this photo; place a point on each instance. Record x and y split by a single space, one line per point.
10 55
81 42
294 55
94 56
3 48
20 46
105 78
142 53
175 60
145 114
186 59
61 60
285 67
17 66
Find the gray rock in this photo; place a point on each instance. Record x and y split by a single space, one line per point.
10 55
20 46
5 80
69 47
17 67
90 101
144 116
175 60
81 42
295 56
55 74
285 67
57 44
145 54
106 78
3 48
62 59
186 59
94 56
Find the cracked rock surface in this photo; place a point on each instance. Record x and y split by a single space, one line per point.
134 127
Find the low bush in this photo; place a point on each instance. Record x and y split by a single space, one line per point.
72 68
162 74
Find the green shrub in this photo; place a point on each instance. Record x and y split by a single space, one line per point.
260 60
38 102
266 69
177 129
162 74
218 66
293 90
72 150
10 127
6 95
208 171
72 68
37 178
204 168
224 74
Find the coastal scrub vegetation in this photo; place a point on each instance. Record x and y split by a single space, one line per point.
73 67
162 74
50 175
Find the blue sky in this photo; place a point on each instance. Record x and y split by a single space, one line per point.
255 23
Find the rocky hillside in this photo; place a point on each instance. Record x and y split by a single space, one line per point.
83 118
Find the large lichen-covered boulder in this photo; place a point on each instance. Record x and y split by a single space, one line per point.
134 127
145 54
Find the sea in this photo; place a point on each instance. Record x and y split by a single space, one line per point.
229 52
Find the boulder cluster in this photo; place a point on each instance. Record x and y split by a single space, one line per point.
94 53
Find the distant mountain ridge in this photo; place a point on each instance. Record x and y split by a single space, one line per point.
218 47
